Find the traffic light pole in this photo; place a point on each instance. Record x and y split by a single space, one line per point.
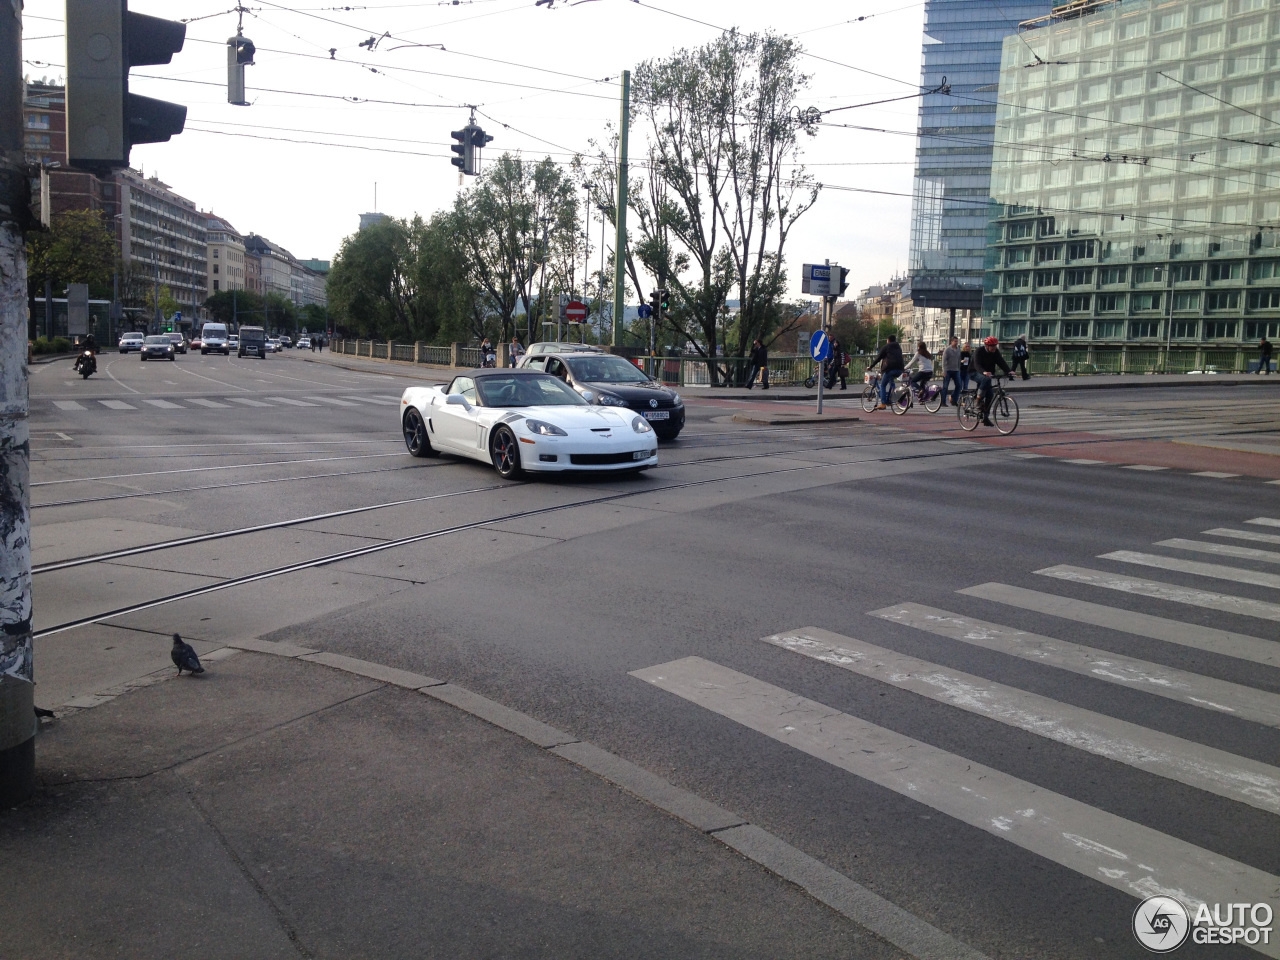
17 690
620 241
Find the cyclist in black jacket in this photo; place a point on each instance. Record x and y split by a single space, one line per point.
986 358
891 366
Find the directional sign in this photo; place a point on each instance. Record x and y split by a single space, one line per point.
820 346
815 279
575 311
645 311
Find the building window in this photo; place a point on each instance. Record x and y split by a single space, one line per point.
215 253
1185 329
1108 330
1146 301
1049 227
1080 250
215 286
1048 278
1264 299
1079 277
1079 303
1265 270
1223 300
1017 281
1043 330
1110 302
1219 329
1017 255
1015 305
1148 275
1075 330
1185 272
1226 271
1048 253
1259 329
1044 304
1110 276
1144 330
1186 301
1020 230
215 268
1011 330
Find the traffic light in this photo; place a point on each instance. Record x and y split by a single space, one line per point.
104 120
240 51
839 280
464 149
655 305
478 139
663 302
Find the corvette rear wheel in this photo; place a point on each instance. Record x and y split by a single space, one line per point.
415 435
504 450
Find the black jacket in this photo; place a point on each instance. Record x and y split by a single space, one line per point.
1020 351
987 360
1264 348
890 357
759 355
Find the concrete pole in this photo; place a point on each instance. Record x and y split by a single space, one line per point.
17 690
620 242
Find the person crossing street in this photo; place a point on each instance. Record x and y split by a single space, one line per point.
1020 357
1264 357
985 359
951 371
759 364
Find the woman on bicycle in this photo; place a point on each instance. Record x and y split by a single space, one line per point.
922 362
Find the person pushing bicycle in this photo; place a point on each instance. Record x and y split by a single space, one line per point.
986 358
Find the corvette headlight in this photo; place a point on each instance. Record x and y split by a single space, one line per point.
641 425
544 429
609 400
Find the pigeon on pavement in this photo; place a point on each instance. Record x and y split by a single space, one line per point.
184 657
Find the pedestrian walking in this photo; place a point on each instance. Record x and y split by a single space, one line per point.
759 364
890 360
517 350
951 371
322 344
839 365
1264 356
966 365
1020 356
313 344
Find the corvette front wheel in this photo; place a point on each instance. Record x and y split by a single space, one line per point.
504 451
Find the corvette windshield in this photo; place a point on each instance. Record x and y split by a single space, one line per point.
527 391
605 370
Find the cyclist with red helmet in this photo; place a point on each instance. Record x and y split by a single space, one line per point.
986 358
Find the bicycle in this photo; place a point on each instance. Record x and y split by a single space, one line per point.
871 392
905 394
1003 411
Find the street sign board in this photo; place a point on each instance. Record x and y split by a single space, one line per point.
575 311
815 279
644 311
820 346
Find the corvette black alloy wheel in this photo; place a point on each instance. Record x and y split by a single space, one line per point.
415 435
505 453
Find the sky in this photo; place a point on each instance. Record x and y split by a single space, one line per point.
300 170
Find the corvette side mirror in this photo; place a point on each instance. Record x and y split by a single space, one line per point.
457 400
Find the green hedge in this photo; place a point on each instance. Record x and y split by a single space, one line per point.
56 345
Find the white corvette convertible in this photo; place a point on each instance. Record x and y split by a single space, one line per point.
523 420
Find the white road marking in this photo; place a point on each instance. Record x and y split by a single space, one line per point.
164 404
1215 474
61 435
1244 535
1141 466
1165 591
1209 639
335 401
211 404
1082 461
1028 456
1222 549
1265 521
117 405
1191 688
381 401
1215 570
1161 754
291 402
67 405
246 401
1124 855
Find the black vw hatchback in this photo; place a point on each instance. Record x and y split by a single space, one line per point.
612 381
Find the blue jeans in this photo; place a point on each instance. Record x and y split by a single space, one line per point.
887 380
985 391
964 380
952 375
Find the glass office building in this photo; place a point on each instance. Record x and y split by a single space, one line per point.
962 46
1136 191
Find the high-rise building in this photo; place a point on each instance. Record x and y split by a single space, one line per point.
370 219
1138 217
962 48
163 240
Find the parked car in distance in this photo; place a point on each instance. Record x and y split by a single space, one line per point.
158 347
253 342
607 380
548 346
304 343
286 341
273 345
195 343
130 341
233 341
213 338
179 342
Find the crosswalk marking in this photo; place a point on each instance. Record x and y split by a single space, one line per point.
211 404
291 402
1120 853
164 404
335 401
1265 521
1244 535
380 401
1081 460
1165 591
1217 475
67 405
247 402
1161 754
1221 549
1177 564
1209 639
1191 688
1142 466
117 405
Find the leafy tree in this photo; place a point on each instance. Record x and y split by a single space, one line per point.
231 306
77 248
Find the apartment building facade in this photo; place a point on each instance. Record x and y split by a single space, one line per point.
226 257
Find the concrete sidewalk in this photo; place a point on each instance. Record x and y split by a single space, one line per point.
325 807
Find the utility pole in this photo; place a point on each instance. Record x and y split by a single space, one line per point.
620 243
17 676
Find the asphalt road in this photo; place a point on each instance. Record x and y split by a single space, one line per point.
1020 791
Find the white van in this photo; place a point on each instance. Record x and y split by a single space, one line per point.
213 339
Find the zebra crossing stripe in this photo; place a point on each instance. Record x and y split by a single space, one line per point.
380 401
1208 693
1142 466
117 405
1209 639
211 404
1082 461
68 405
336 402
1120 853
1243 535
246 401
1160 590
1177 564
1161 754
1265 521
1221 549
164 404
291 402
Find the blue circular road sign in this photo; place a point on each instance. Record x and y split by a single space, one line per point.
820 346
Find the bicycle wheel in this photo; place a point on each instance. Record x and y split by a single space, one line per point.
900 399
933 402
809 382
1004 414
967 411
869 398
